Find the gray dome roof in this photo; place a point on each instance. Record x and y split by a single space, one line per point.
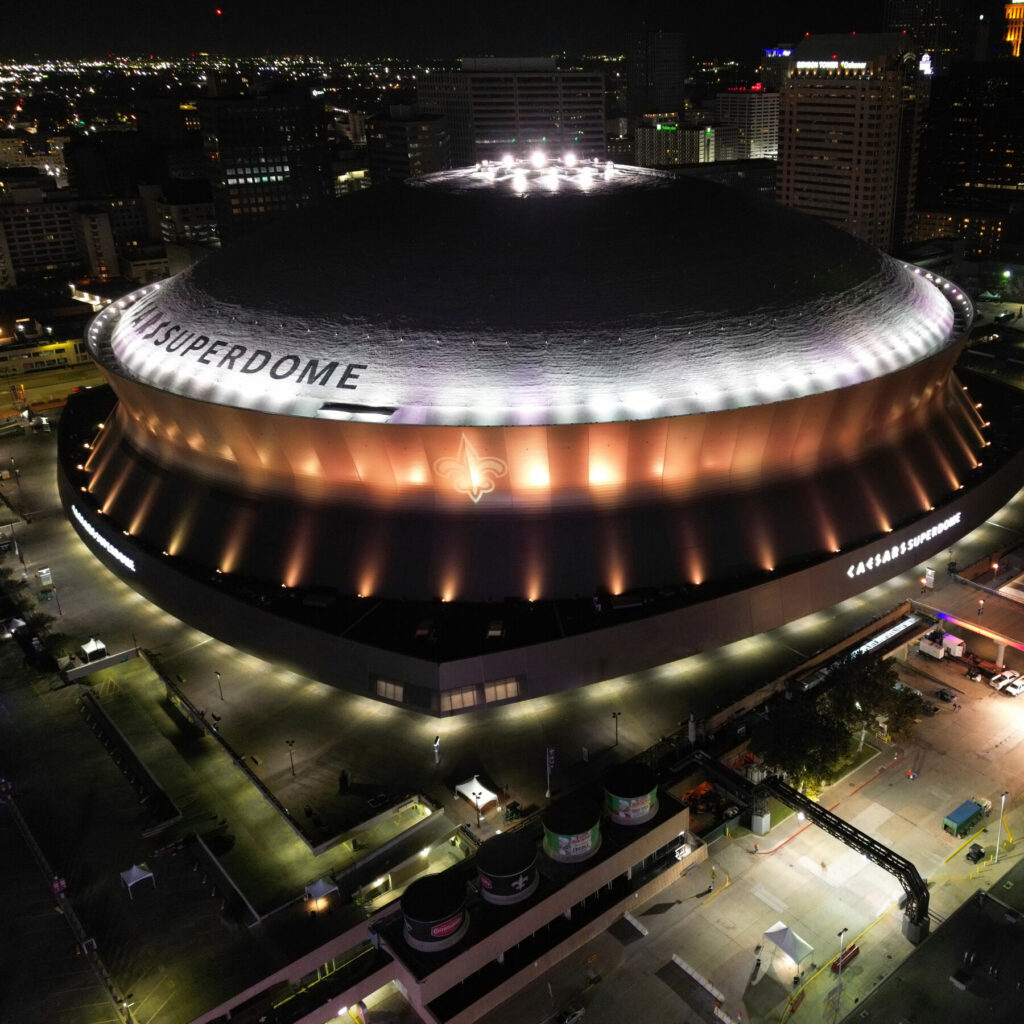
560 295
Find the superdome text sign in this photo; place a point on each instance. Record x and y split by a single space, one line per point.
153 325
887 555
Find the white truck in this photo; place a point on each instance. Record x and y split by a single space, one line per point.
941 645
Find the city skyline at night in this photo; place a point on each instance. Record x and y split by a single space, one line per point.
441 31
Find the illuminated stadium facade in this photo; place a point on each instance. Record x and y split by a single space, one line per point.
513 429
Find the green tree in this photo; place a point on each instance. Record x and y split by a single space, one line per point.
39 621
866 693
802 741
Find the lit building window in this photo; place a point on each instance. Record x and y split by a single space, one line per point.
390 691
458 700
502 689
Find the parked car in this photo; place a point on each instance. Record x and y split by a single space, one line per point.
975 853
947 696
997 682
1015 688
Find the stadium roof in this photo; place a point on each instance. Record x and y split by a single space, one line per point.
517 294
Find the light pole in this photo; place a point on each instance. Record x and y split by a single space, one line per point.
839 969
291 754
616 715
14 541
550 762
437 750
999 831
220 689
981 606
476 802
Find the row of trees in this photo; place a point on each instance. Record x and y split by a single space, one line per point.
808 737
14 585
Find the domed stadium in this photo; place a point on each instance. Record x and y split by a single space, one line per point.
516 428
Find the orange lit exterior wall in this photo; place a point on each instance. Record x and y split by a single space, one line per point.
1014 26
477 513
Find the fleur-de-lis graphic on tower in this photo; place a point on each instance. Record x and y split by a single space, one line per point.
471 474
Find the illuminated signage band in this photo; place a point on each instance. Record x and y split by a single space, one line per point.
163 332
831 65
890 554
125 560
883 638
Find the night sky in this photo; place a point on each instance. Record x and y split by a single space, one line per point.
410 28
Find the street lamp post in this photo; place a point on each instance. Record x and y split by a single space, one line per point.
999 831
291 754
616 715
476 803
437 750
839 968
220 689
981 606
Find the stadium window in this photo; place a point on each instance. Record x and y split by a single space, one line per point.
390 691
458 700
502 689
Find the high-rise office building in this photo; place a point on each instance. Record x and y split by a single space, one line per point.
665 145
935 27
655 74
266 155
498 106
972 166
37 236
754 113
972 145
407 144
1015 26
849 124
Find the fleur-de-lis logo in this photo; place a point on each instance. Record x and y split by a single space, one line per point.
470 473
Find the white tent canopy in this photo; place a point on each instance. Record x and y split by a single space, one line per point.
92 650
476 793
320 888
136 873
789 942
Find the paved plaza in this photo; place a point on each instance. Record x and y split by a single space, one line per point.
813 883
